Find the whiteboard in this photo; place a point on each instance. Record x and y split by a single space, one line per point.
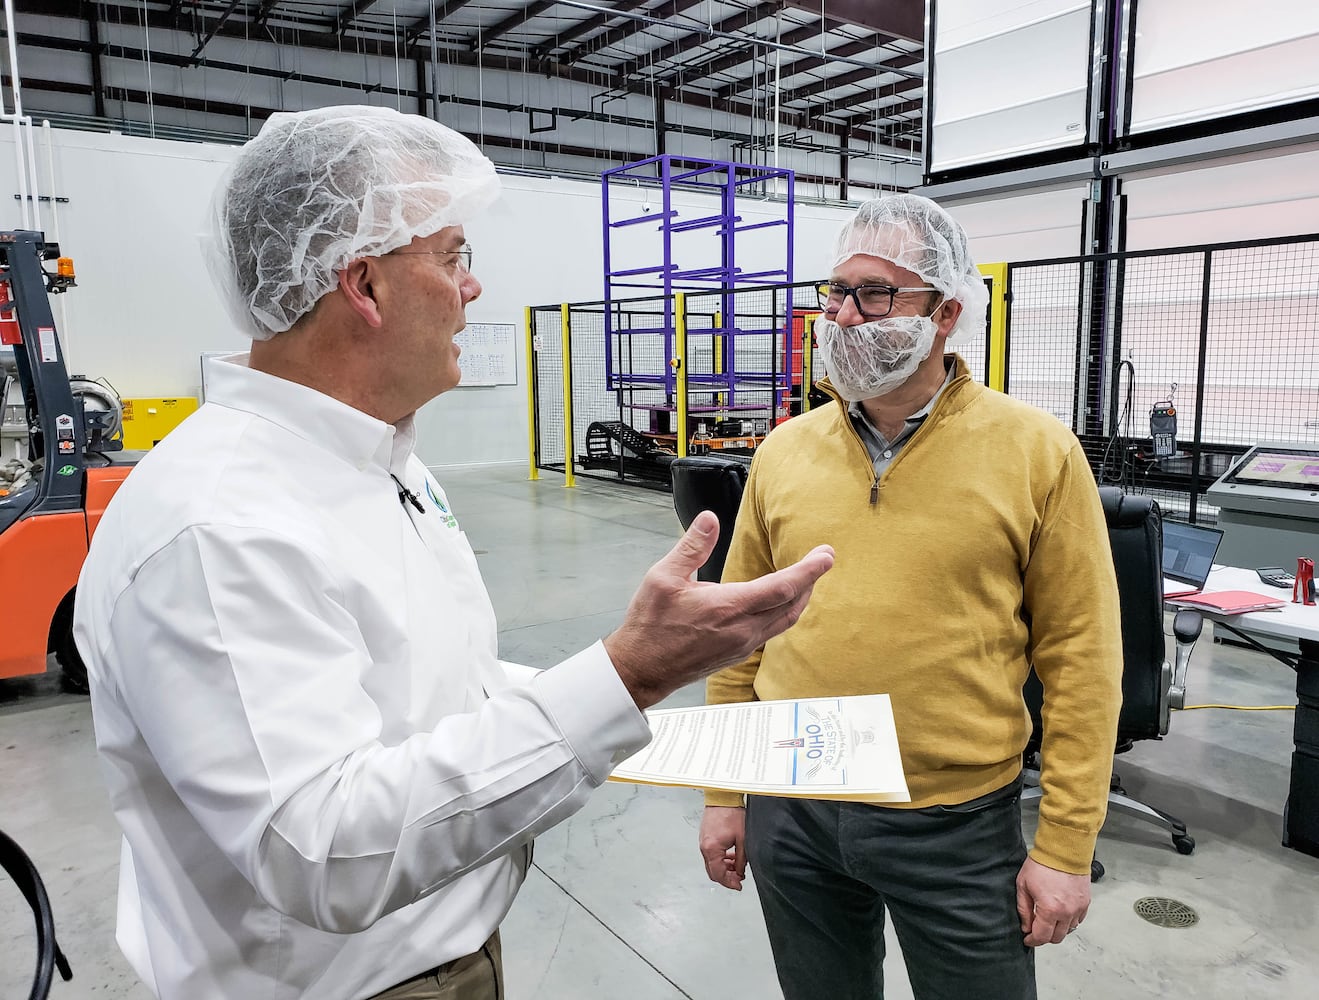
489 354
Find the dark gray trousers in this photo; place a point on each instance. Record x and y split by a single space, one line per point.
826 872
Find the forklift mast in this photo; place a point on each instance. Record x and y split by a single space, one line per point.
54 417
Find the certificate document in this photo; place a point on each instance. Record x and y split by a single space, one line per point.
818 748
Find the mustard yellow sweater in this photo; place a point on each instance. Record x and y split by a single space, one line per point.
983 551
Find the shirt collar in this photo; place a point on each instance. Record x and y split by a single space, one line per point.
855 410
326 422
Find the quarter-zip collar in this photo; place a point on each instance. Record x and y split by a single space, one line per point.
950 399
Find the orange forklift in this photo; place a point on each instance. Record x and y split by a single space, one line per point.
47 523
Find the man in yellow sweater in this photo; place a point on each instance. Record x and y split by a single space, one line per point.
971 546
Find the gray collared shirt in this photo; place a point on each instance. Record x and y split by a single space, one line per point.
882 451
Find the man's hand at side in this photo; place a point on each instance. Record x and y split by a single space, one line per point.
678 630
723 845
1051 903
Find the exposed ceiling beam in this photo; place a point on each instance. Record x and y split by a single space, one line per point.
263 13
422 25
514 20
346 17
137 55
840 104
798 36
857 77
206 39
94 51
803 65
593 23
666 10
721 63
737 22
255 115
904 18
598 78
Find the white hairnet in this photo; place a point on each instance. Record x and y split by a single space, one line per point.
915 233
317 189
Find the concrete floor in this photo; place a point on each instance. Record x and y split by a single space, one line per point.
619 905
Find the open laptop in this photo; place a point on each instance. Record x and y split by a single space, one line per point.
1188 556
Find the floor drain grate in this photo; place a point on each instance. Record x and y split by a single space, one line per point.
1164 912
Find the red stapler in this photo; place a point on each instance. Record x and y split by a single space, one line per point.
1303 588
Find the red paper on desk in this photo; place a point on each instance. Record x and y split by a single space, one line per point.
1230 602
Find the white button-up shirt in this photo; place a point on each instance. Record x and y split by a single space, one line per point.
325 780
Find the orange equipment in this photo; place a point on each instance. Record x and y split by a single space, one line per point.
47 523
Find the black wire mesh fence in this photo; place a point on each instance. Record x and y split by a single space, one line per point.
750 361
746 362
1226 336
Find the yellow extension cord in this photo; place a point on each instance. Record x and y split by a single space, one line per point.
1244 708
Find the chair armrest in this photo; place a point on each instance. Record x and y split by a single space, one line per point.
1186 628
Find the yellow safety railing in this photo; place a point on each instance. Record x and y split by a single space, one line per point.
531 394
996 376
680 368
565 323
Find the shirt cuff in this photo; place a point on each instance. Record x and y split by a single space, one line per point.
1063 848
719 797
593 710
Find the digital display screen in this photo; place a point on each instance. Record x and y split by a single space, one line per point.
1289 468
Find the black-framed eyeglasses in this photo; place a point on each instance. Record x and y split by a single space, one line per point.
464 253
872 301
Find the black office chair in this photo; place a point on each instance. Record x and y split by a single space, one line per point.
1151 686
709 482
20 868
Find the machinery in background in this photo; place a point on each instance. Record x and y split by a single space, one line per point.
99 397
1268 505
76 464
1268 508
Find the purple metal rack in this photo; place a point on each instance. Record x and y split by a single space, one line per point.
665 175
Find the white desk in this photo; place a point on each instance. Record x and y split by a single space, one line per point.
1292 621
1295 621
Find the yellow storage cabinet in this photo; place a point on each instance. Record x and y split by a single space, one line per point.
147 420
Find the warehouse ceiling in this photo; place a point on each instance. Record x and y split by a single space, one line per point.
832 89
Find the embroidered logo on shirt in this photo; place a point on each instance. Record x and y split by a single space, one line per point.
448 519
436 500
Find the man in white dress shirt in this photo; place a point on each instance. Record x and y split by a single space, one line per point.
327 785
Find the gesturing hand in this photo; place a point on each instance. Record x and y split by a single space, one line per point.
677 630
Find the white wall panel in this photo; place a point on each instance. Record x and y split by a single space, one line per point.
1195 61
1238 199
1033 226
1009 78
